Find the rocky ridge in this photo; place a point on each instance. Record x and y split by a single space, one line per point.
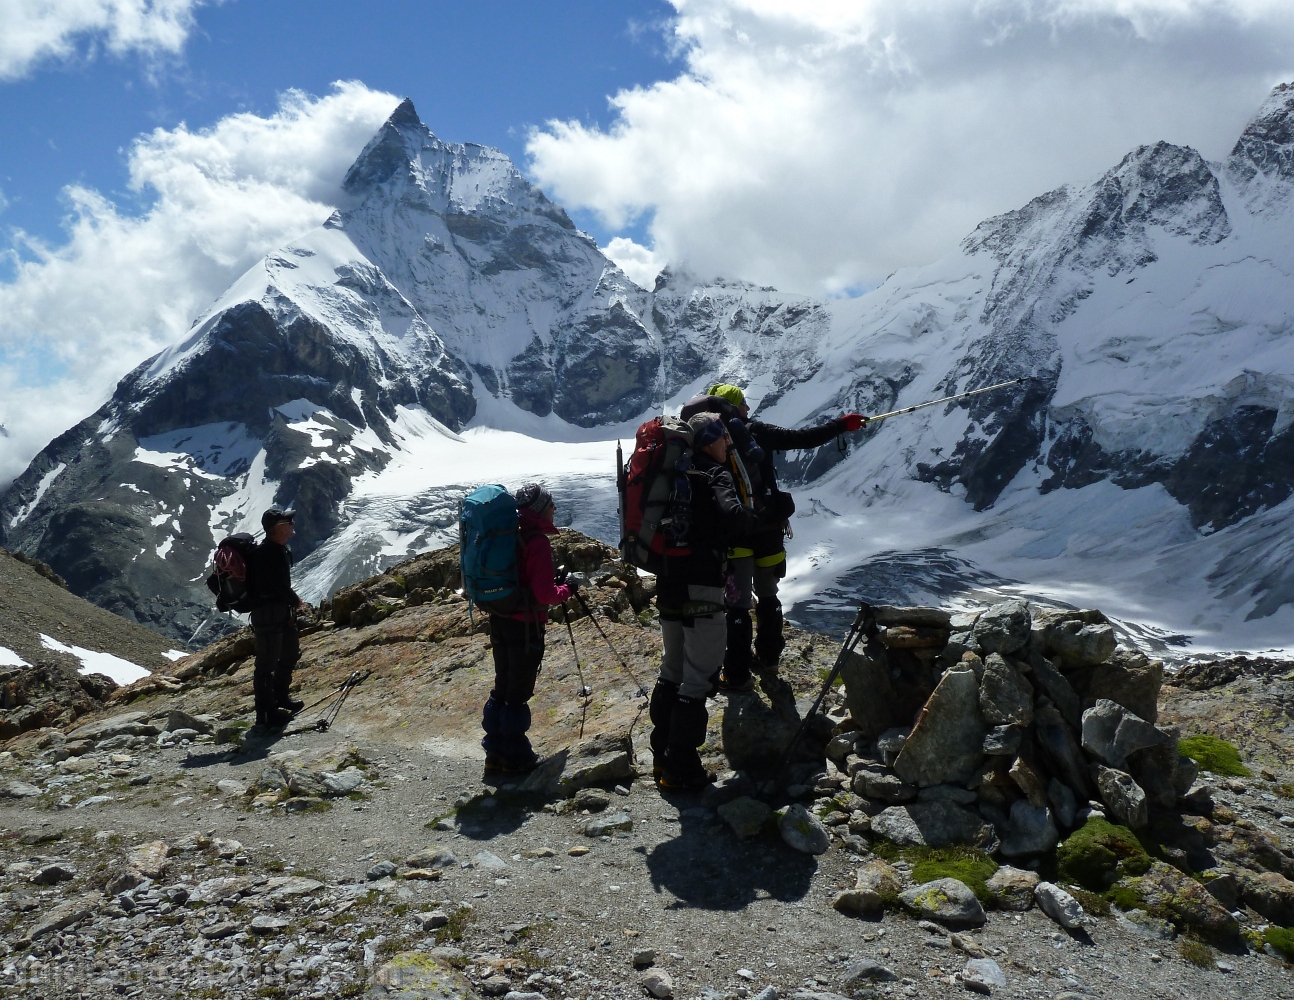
157 845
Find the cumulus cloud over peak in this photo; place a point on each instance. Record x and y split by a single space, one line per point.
32 31
77 317
818 147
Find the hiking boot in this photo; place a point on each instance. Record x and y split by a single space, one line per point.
686 779
734 685
293 705
272 717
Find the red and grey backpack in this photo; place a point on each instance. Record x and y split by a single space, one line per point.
230 579
655 495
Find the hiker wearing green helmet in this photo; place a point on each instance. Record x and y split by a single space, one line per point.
756 564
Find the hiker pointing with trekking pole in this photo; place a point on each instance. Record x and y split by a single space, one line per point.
757 562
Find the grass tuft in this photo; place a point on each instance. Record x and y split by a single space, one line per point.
1282 939
1196 952
1098 853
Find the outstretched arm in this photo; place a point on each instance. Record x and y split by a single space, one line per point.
776 438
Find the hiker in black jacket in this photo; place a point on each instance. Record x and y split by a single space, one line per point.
278 645
757 562
689 596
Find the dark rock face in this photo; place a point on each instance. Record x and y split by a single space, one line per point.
1267 145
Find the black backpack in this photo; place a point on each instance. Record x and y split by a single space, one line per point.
231 578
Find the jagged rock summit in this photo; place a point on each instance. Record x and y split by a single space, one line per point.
448 325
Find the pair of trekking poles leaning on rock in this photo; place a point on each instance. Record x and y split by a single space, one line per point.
700 508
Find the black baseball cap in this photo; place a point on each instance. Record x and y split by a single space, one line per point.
275 516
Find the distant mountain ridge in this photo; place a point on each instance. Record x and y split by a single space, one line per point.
356 374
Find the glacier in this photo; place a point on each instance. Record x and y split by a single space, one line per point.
448 325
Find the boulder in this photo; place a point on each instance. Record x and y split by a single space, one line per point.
803 831
1012 887
983 975
1130 679
1059 905
594 761
1124 797
1081 638
890 743
601 826
1169 893
745 815
862 971
883 786
148 859
1005 697
1031 784
342 782
934 824
946 900
64 915
1003 628
126 724
909 637
947 793
946 744
877 886
755 733
1111 732
885 688
1155 768
1058 748
1051 682
1031 832
888 616
179 719
1002 741
1271 894
1064 805
658 983
416 974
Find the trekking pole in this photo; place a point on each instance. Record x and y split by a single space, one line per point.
585 690
864 624
947 399
325 721
614 652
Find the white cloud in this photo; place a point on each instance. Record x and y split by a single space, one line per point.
639 262
76 318
32 31
820 146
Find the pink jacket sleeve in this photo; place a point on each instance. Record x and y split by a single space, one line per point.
539 572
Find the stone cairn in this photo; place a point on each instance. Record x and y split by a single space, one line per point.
1001 729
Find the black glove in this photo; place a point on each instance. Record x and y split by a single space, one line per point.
559 575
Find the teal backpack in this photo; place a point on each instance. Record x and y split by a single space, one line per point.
489 541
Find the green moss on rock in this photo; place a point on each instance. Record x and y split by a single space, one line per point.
1282 939
966 864
1099 853
1213 754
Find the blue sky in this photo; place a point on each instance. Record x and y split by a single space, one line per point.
153 150
484 71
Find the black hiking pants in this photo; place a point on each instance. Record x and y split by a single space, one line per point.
278 647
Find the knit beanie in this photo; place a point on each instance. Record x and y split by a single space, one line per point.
706 428
533 497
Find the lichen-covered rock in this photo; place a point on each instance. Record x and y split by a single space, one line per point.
1012 888
936 823
947 900
1161 770
1125 798
1056 686
1177 897
803 831
885 688
745 815
1059 749
1271 894
1111 732
415 975
1129 678
947 742
1005 697
878 885
1031 832
1081 638
1003 628
1059 905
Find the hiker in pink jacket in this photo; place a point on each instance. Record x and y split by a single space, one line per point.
518 640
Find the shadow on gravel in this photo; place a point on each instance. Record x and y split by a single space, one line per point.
707 869
489 816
